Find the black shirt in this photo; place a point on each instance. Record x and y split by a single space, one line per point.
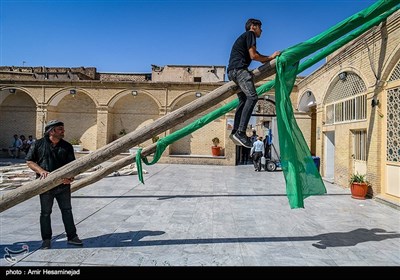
50 157
240 57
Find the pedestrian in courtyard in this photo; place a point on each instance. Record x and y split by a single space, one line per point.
15 147
29 143
254 137
46 155
24 145
256 152
244 50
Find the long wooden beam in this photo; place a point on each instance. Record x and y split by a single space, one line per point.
29 190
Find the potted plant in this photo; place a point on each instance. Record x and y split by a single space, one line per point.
358 186
76 144
215 149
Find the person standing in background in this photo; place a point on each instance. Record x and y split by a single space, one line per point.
257 151
15 147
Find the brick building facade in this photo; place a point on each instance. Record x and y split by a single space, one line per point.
354 103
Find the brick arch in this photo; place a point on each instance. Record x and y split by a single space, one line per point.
333 82
5 93
60 94
394 60
191 93
306 100
116 97
128 113
18 114
79 114
198 142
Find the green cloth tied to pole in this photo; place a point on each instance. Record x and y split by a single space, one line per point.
301 176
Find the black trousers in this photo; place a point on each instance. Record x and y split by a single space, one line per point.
257 160
62 194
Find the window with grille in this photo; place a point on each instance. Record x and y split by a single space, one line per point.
393 125
360 145
353 109
396 73
346 101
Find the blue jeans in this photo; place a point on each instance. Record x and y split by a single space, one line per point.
62 194
247 97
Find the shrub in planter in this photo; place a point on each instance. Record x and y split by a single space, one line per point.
358 186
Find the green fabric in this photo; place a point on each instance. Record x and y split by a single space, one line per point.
302 177
139 164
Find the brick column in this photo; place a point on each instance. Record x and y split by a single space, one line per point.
103 127
41 117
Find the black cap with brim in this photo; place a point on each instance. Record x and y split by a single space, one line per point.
51 124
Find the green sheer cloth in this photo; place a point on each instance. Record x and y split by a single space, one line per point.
301 175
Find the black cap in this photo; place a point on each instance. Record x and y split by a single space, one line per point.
51 124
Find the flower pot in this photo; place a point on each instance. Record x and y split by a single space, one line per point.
359 190
216 151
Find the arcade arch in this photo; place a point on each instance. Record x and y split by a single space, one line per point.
79 114
199 142
18 115
129 112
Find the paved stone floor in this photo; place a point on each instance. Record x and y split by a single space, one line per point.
196 215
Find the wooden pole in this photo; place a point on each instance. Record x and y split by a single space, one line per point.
29 190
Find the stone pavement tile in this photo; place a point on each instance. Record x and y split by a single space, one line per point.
43 255
392 254
103 256
128 227
358 262
74 255
226 246
173 256
4 262
342 253
34 263
273 253
163 254
380 251
319 262
75 265
383 262
205 254
198 259
226 260
131 258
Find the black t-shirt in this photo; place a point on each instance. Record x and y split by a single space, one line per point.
240 57
50 157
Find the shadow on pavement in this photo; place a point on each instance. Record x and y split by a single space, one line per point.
134 238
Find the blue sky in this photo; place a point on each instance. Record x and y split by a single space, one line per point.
128 36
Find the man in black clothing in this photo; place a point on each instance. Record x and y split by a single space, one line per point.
244 50
46 155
